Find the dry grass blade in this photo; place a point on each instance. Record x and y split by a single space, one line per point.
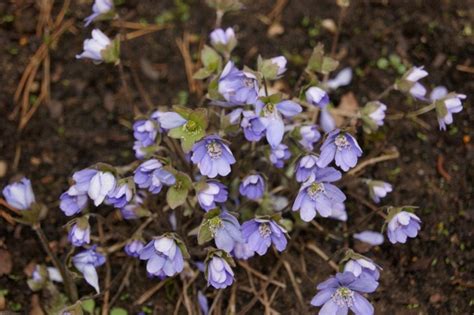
183 46
394 154
260 275
291 274
314 248
150 292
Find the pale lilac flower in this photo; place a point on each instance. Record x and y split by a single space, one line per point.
212 156
343 78
370 237
19 194
373 115
363 266
94 46
168 120
133 248
446 107
101 184
73 201
82 180
271 117
252 187
259 234
305 167
317 195
344 291
341 147
214 192
225 229
80 233
134 209
403 225
280 61
203 304
326 120
51 273
438 93
223 39
279 155
100 7
339 212
145 131
317 96
378 189
411 79
86 262
242 251
152 176
237 87
121 195
309 136
235 115
253 127
219 273
164 257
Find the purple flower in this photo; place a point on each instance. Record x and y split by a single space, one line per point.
373 115
438 93
213 192
402 225
305 167
226 231
221 37
369 237
203 304
19 194
86 262
134 247
343 78
100 7
101 184
344 291
219 273
212 156
121 195
41 274
446 107
242 251
152 176
317 96
317 195
341 147
164 257
252 126
309 136
145 131
237 87
168 120
280 61
279 155
73 201
326 120
271 117
339 212
378 189
134 209
94 46
259 234
252 187
362 266
80 233
409 83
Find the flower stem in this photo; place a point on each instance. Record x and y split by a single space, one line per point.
69 285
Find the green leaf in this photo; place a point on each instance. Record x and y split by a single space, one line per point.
268 69
177 194
315 62
202 73
111 53
88 306
118 311
329 65
210 58
204 234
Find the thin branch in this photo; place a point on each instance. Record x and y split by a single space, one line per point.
386 157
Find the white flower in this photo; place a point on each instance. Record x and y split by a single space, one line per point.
94 46
280 61
343 78
100 7
101 184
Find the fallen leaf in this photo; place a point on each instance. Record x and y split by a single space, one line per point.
348 105
275 29
5 262
35 308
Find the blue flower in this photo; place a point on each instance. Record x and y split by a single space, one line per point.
121 195
259 234
403 225
252 187
343 292
152 176
100 7
94 46
242 251
219 273
317 96
446 107
213 192
73 201
164 257
212 156
378 189
317 195
134 247
80 233
309 136
86 262
341 147
279 155
145 131
362 266
226 231
305 167
252 126
19 194
237 87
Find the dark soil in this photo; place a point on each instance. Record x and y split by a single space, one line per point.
88 120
